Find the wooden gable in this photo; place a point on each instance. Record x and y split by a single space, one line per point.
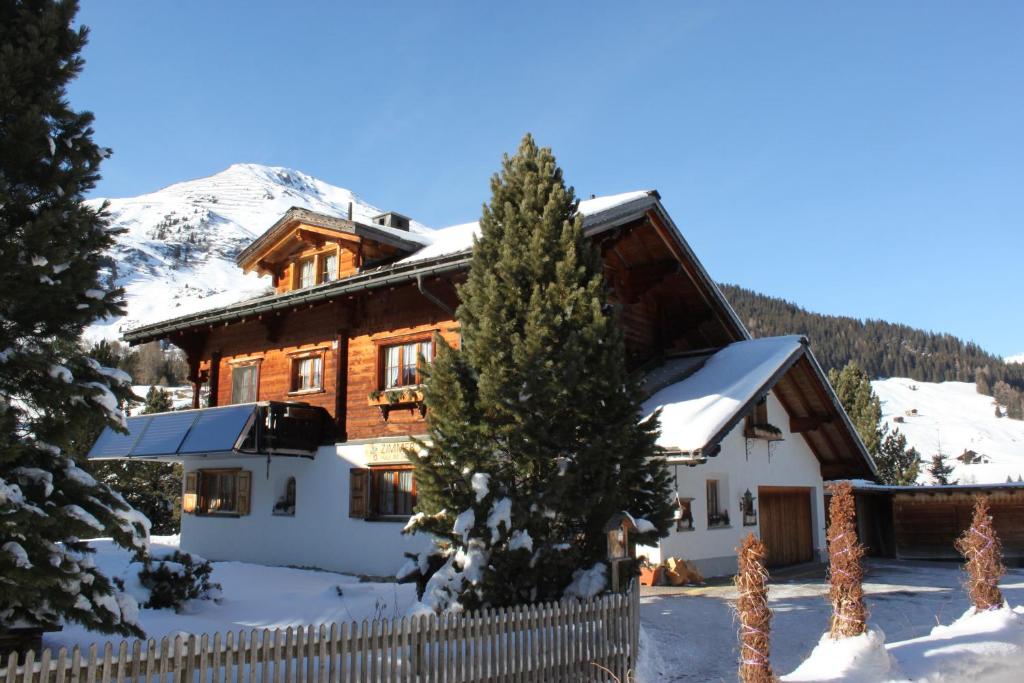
305 249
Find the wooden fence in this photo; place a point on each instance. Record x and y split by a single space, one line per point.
596 641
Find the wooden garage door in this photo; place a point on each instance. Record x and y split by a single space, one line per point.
785 519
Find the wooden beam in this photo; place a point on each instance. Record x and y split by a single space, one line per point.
341 385
809 423
214 377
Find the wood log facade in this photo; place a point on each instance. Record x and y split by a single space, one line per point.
663 304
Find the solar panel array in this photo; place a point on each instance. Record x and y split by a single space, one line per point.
187 432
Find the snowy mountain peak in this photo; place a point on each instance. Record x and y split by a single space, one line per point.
1019 358
176 254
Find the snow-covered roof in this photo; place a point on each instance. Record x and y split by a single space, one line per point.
698 410
458 238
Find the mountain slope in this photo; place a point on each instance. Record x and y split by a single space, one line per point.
952 417
176 254
881 348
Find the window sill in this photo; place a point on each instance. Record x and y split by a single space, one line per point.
389 518
713 527
282 514
306 392
228 515
685 530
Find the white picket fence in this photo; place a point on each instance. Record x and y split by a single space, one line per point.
596 640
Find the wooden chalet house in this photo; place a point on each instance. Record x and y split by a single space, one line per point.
300 456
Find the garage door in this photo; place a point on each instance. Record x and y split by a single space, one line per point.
785 520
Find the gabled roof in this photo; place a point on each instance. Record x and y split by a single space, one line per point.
403 240
712 392
439 252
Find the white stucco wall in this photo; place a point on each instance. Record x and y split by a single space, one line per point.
791 463
320 534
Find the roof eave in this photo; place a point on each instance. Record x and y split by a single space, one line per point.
385 277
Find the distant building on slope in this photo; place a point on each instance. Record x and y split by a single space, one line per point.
301 457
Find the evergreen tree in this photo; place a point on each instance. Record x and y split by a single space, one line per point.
940 471
157 401
152 488
535 434
853 387
897 464
50 289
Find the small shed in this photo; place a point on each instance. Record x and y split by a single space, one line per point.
922 522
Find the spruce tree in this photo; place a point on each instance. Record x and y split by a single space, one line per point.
897 464
157 401
535 436
853 387
50 289
940 471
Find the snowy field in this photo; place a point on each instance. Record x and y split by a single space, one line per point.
693 636
687 636
253 596
954 417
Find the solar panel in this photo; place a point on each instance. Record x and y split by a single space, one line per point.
164 434
218 430
294 430
113 444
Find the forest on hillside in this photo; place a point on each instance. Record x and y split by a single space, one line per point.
883 349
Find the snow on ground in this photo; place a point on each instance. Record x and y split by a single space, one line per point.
954 417
693 632
253 596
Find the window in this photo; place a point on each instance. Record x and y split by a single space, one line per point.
402 363
717 516
217 492
391 492
308 373
285 505
244 383
307 274
329 267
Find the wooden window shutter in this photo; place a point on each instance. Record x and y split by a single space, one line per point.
188 497
358 498
244 491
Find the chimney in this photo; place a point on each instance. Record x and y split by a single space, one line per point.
351 214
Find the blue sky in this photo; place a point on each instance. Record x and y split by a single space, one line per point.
861 158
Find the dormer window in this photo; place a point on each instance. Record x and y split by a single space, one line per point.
307 273
329 267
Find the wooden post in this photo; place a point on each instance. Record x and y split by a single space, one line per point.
214 377
341 385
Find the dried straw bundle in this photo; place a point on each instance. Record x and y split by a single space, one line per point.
849 614
752 611
983 551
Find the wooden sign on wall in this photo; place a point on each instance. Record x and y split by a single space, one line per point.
389 451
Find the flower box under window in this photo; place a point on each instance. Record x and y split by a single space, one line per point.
766 432
401 397
758 426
